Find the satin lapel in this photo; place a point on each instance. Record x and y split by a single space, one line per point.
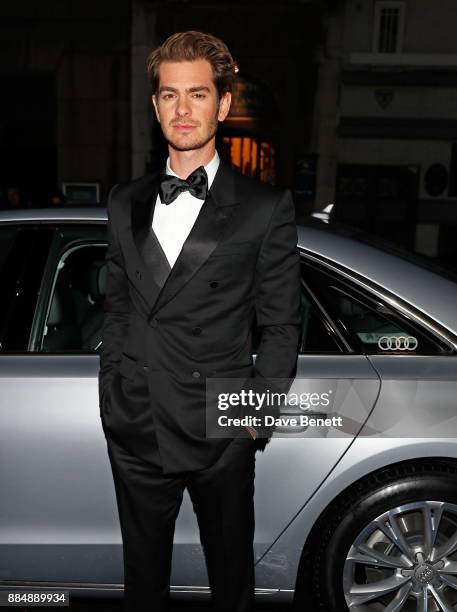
205 234
146 241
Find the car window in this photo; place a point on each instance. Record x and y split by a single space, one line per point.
23 254
74 313
317 336
372 326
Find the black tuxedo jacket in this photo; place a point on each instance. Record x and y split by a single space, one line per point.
167 329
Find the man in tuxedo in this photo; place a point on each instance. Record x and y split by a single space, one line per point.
197 253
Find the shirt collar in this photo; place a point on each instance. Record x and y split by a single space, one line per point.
211 168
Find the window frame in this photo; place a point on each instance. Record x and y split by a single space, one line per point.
327 322
363 289
42 326
379 6
62 243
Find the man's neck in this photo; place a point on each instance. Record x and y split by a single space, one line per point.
184 163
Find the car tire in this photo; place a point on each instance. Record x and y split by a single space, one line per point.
407 487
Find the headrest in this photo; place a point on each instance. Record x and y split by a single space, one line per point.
97 280
56 311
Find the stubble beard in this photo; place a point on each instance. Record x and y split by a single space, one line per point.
193 145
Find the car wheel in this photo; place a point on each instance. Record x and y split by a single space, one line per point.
391 544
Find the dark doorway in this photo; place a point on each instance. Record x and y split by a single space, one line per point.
28 153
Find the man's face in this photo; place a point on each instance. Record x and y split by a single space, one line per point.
187 104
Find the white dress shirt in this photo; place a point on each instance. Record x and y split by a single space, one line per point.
173 222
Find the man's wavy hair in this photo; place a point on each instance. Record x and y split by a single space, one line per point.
193 45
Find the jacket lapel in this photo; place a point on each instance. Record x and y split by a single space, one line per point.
203 238
146 242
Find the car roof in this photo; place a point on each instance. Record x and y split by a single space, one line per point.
65 213
430 292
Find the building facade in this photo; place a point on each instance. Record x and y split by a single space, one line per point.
387 152
77 104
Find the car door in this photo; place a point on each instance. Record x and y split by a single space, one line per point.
58 516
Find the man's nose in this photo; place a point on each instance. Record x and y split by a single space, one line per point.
183 106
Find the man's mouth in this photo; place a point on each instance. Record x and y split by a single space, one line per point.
184 126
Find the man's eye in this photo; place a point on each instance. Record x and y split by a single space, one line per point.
167 96
199 95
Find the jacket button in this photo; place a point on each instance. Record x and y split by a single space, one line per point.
138 274
153 322
196 374
197 331
214 284
145 368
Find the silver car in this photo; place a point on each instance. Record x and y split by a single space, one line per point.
362 518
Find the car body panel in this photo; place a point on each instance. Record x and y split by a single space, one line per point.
59 497
382 441
64 501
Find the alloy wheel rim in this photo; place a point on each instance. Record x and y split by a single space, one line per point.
405 559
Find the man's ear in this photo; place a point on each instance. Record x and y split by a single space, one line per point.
154 103
224 106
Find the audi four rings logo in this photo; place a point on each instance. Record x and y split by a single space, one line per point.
398 343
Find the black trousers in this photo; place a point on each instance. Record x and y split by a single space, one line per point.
223 499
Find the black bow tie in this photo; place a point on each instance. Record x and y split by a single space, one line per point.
171 186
